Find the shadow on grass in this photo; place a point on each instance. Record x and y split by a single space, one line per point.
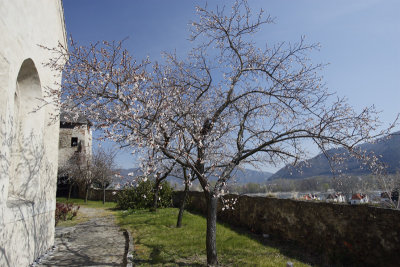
157 259
288 248
156 253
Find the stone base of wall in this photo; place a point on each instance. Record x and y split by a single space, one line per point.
24 240
349 235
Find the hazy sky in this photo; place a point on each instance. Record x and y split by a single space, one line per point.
359 39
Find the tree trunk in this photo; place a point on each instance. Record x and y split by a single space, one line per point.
86 194
69 191
182 207
155 198
211 238
104 194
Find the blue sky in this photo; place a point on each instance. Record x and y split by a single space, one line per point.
360 39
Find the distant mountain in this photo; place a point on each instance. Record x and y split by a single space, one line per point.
388 147
239 177
245 176
125 178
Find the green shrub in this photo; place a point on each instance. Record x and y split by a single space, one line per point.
165 195
141 196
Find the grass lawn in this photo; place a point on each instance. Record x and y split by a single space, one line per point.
90 204
103 210
158 242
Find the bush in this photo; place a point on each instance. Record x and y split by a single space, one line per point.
165 195
65 211
141 196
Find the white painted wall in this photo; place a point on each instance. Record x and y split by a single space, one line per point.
27 180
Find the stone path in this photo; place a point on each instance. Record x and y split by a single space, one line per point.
96 242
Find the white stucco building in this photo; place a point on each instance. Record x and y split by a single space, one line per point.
358 199
28 144
336 197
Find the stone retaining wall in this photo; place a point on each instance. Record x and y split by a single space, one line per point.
342 234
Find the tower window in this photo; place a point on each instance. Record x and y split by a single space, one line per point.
74 141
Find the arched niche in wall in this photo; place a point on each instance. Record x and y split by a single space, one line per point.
28 127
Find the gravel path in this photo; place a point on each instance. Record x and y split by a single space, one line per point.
96 242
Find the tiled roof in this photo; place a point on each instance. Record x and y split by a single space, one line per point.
357 196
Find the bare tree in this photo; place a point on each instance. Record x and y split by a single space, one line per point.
390 184
228 103
77 170
69 172
103 168
86 178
